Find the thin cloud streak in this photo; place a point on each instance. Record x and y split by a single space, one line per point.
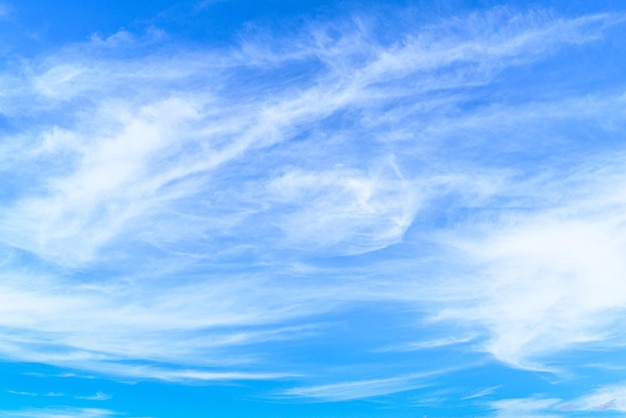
59 413
368 388
360 389
425 345
526 407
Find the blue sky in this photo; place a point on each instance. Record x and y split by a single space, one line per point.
312 209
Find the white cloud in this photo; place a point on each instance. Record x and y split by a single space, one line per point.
132 150
525 407
481 393
14 392
429 344
58 413
199 160
345 391
548 279
198 327
327 209
605 398
99 396
368 388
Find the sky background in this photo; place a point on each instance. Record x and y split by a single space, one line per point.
312 209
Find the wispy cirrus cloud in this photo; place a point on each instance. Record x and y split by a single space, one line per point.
131 154
59 413
14 392
550 277
360 389
166 209
99 396
430 344
603 399
526 407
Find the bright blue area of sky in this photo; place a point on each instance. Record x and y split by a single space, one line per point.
312 208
